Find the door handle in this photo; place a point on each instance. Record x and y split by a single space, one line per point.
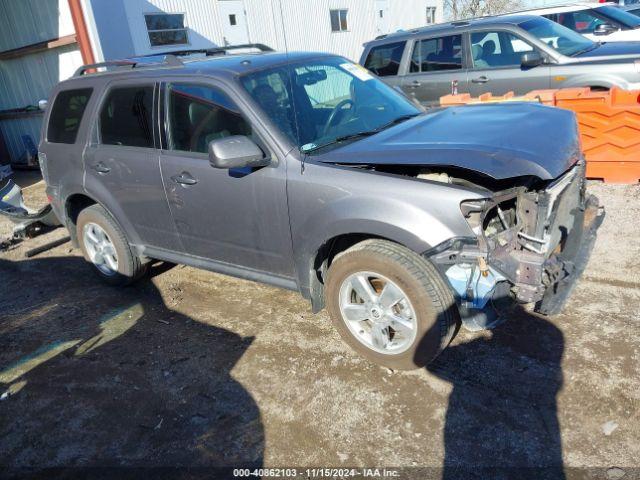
481 79
184 179
415 84
101 168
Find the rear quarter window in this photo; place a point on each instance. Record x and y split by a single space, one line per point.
384 60
66 115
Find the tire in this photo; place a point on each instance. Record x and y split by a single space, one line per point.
427 304
129 268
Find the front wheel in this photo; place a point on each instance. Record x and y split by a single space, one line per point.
390 305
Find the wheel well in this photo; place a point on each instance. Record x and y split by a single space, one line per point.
322 261
74 205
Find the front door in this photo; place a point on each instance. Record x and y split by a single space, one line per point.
496 65
235 217
234 22
436 69
121 165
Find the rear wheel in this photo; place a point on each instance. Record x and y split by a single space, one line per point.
104 244
390 305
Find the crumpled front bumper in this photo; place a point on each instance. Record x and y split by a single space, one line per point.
536 261
572 261
27 222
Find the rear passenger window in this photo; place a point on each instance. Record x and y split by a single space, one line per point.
126 117
436 54
199 114
66 115
384 60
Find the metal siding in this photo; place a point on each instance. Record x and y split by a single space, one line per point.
201 19
27 79
25 22
406 15
105 20
12 131
24 81
308 27
306 23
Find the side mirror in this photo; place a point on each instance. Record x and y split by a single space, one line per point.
531 59
604 29
236 151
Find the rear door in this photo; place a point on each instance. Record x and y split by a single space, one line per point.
496 64
436 68
64 139
232 217
121 164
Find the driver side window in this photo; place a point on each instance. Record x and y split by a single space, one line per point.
497 49
199 114
581 22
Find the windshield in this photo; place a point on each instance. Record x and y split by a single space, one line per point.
565 41
326 101
625 18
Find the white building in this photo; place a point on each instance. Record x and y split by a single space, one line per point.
44 41
122 28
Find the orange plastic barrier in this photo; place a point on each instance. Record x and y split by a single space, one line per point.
609 124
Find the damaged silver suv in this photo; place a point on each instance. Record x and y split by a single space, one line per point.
303 171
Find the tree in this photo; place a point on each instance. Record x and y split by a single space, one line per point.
460 9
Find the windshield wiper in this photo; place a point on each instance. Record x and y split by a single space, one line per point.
312 148
585 50
400 119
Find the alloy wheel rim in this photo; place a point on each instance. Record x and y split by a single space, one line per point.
100 249
378 312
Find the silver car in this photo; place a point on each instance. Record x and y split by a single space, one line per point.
516 53
304 171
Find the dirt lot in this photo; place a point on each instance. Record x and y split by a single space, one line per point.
195 369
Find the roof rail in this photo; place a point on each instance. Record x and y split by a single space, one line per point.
169 61
214 50
113 63
170 58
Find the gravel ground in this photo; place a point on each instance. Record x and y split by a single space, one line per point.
195 369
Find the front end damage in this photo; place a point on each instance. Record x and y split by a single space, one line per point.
531 246
27 222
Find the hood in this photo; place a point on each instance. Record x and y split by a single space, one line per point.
499 140
608 49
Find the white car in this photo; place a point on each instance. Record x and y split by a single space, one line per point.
633 8
605 22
